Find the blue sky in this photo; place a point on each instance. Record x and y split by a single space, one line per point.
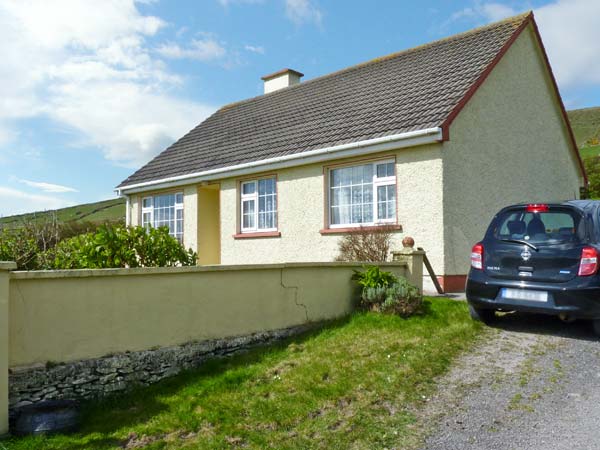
92 90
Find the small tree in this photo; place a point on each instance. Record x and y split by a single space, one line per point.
366 245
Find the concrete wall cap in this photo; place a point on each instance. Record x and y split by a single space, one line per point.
408 251
8 265
83 273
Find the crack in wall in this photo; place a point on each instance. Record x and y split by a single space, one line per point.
295 288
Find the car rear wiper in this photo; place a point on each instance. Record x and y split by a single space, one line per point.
518 241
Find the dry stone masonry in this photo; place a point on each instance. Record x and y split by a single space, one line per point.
95 378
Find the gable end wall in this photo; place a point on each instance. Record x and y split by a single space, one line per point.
508 145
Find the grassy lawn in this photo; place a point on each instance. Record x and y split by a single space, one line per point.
354 384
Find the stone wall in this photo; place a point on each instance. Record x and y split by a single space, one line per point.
95 378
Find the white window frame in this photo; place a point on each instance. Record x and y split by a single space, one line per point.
150 210
377 182
254 197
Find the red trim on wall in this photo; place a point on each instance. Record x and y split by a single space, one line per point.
458 108
452 283
560 101
461 104
391 227
265 234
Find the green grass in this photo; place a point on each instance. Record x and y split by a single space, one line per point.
353 384
585 123
588 152
107 210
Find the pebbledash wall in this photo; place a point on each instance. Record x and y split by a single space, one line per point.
508 145
85 333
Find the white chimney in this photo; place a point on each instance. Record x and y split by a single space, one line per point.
281 79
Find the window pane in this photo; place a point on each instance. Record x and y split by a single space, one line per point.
385 170
391 169
356 195
248 188
356 214
248 206
266 186
386 202
248 214
248 221
357 175
147 202
368 194
179 198
267 203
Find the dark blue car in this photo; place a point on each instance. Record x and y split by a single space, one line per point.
540 258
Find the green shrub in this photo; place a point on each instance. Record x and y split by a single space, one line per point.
373 277
30 242
592 168
386 293
113 247
19 247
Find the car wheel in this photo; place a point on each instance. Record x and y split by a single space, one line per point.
482 315
596 324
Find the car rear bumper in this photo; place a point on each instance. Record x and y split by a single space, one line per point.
579 298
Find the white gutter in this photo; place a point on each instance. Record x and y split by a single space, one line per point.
395 141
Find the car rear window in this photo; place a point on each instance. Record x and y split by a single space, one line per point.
550 227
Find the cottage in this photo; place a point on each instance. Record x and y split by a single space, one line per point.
431 141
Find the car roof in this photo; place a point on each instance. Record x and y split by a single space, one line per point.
583 205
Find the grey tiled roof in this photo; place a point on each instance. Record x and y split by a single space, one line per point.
411 90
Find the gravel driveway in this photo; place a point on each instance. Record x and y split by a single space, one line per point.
534 383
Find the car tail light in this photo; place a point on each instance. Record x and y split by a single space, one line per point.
589 262
537 207
477 256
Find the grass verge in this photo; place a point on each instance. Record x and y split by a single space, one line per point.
353 384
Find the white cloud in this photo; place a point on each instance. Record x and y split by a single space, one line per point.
571 35
303 12
48 187
482 11
200 49
88 67
13 201
497 11
569 30
255 49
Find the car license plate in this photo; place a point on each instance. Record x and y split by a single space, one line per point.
523 294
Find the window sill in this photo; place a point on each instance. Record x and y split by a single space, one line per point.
259 234
390 227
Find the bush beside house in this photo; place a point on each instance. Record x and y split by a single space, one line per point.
51 246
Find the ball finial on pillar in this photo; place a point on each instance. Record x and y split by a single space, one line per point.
408 242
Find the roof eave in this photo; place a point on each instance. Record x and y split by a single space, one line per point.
369 146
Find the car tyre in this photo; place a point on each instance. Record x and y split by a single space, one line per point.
486 316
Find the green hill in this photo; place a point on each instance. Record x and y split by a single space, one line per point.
586 127
107 210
